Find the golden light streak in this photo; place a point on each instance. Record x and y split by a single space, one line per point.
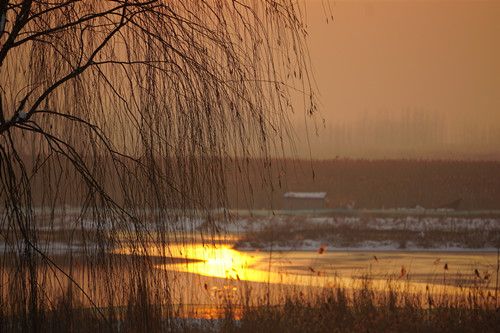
222 261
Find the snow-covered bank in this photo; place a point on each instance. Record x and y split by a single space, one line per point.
63 231
409 233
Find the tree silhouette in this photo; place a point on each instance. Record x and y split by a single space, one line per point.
129 112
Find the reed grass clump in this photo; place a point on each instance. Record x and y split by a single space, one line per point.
343 310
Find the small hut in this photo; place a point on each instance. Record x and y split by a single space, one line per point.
304 200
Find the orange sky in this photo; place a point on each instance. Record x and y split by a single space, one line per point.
406 79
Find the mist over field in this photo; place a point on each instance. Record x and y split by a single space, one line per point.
410 133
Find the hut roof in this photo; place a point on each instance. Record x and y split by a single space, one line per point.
305 195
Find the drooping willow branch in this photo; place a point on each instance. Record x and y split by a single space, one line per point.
134 112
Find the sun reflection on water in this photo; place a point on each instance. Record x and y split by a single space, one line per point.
216 261
220 261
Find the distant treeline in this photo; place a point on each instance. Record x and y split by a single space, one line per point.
373 184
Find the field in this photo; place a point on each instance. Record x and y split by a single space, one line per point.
377 184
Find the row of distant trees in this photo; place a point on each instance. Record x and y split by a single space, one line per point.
411 133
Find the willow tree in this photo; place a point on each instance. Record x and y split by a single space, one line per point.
128 112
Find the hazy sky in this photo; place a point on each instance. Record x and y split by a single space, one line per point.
406 78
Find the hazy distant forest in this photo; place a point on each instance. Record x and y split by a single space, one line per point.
412 133
379 184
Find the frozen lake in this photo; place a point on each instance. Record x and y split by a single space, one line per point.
210 274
